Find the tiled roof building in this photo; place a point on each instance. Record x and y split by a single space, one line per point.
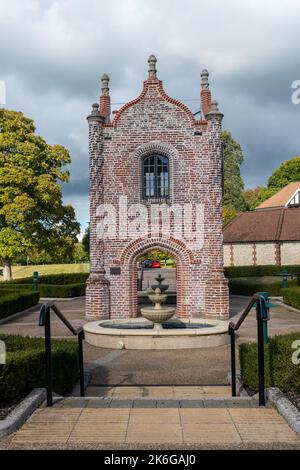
268 235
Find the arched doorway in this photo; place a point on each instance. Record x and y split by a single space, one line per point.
150 266
182 259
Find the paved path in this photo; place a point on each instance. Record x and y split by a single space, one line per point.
146 415
189 366
87 423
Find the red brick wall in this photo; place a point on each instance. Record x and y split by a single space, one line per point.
156 123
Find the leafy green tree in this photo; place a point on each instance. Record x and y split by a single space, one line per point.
156 255
86 241
228 214
233 182
286 173
80 255
32 216
254 197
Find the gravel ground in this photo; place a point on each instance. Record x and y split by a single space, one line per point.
5 444
6 408
295 399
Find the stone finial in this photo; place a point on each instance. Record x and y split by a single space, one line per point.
105 82
214 107
95 109
95 114
214 111
204 80
152 66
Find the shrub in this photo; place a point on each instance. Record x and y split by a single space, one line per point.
47 290
68 290
25 366
60 279
291 296
248 286
279 368
13 302
256 271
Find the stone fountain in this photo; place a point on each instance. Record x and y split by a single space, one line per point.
158 314
135 333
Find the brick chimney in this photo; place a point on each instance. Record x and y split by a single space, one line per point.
105 99
205 93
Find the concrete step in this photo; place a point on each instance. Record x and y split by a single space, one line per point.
144 402
158 396
159 391
78 422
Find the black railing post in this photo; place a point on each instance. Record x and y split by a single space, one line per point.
260 349
48 357
80 359
233 366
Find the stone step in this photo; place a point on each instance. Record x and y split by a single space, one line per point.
159 391
158 396
78 422
144 402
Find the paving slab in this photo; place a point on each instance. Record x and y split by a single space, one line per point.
133 368
210 433
161 426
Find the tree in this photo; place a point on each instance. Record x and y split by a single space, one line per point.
233 182
254 197
86 241
156 255
32 215
287 172
80 255
228 214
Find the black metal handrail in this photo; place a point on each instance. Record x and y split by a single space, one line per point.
261 314
44 320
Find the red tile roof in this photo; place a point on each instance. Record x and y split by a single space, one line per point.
282 224
281 198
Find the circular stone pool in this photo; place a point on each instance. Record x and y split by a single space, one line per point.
136 333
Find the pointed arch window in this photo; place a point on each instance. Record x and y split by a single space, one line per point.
156 177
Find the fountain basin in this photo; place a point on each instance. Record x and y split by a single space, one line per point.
158 315
186 334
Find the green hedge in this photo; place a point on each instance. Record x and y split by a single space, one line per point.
60 279
13 302
279 368
291 296
257 271
46 290
250 285
25 366
68 290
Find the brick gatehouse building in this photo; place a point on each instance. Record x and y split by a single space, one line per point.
154 152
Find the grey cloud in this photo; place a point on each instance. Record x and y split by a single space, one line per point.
54 52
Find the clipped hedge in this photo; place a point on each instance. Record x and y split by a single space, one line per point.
279 368
13 302
248 286
291 296
48 290
257 271
25 366
60 279
68 290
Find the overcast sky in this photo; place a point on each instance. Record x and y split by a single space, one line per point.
52 54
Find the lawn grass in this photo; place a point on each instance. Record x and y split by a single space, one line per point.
44 269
